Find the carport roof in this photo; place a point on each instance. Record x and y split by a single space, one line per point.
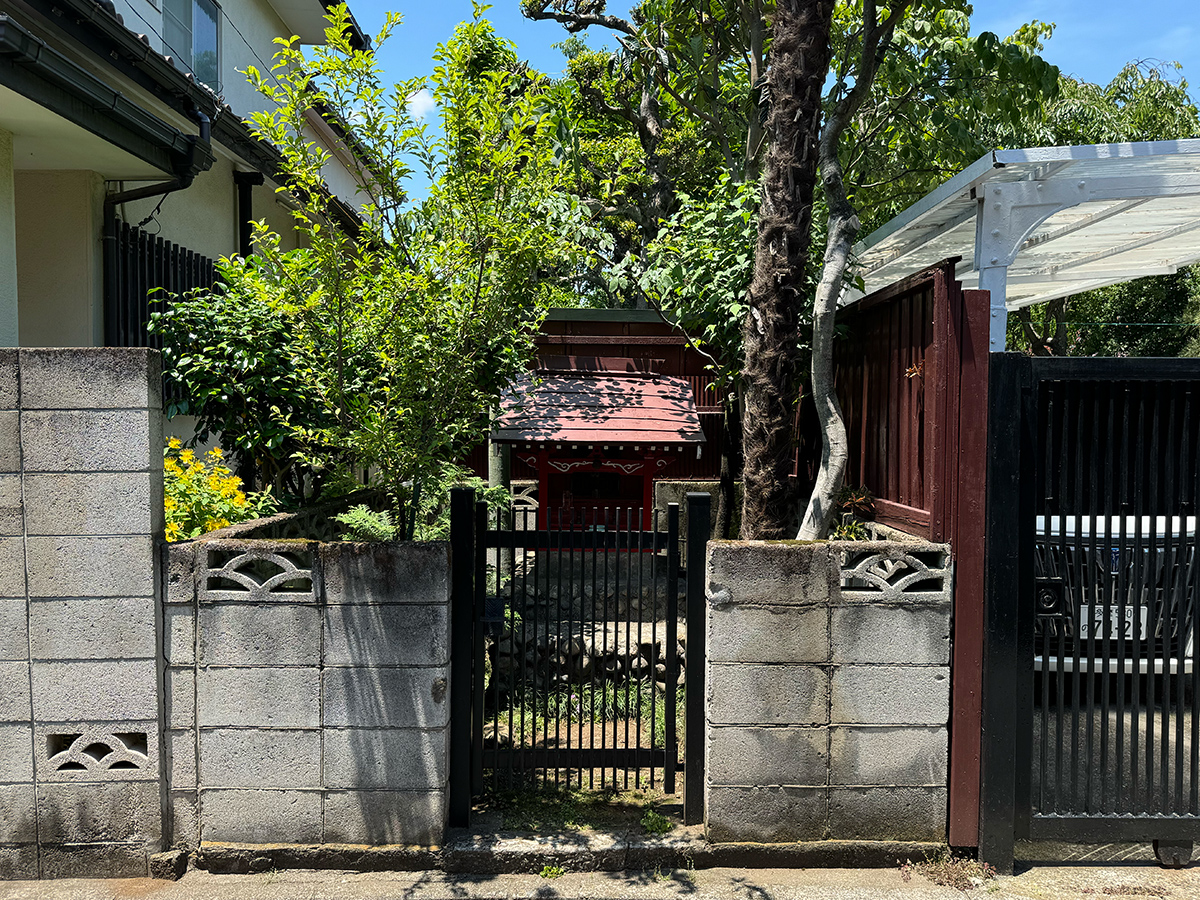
1061 219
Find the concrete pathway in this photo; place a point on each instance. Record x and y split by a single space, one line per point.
1076 881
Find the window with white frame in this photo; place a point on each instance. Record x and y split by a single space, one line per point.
190 34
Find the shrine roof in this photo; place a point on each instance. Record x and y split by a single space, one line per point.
598 408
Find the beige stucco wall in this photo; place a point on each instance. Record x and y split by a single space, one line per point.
59 249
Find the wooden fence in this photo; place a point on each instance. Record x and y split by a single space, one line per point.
912 377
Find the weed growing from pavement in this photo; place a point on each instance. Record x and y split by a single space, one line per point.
655 822
948 870
552 872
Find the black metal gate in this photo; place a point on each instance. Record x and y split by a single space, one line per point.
1092 724
578 647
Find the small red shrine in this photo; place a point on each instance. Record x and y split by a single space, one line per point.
598 431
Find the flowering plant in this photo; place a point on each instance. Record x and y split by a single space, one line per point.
203 494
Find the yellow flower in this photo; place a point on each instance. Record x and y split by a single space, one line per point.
173 443
172 533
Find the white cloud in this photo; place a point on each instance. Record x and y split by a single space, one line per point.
421 104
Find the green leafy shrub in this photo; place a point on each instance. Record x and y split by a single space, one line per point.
655 822
361 523
202 495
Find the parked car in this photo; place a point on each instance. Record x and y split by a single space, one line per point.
1132 585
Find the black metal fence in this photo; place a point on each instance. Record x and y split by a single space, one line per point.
582 637
139 264
1094 578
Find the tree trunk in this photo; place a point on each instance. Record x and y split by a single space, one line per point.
800 55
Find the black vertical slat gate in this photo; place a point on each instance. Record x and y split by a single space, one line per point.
1094 579
145 266
577 673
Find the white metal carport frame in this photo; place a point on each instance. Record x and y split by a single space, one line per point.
1036 224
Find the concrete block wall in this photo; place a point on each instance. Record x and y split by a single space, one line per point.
307 691
828 691
80 510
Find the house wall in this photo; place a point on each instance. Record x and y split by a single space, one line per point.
827 691
8 244
59 250
315 711
80 509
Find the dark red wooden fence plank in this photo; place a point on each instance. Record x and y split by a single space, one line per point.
968 542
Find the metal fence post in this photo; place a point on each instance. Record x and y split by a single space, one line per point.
1002 668
462 633
699 524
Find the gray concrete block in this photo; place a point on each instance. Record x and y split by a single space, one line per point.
260 817
887 814
251 758
10 394
767 695
402 759
91 503
890 695
393 635
268 634
385 817
92 629
180 700
12 510
19 863
12 567
75 752
14 698
92 377
267 698
181 759
16 753
18 816
893 571
895 635
772 634
179 573
179 635
95 691
89 441
183 817
902 755
386 698
784 573
91 566
10 441
740 755
95 861
14 630
117 812
765 814
386 573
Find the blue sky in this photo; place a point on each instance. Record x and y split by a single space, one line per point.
1093 39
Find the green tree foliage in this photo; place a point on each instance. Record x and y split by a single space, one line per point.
403 326
1155 316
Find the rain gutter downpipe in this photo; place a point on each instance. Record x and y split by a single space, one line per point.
182 181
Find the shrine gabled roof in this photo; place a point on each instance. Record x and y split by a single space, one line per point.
598 408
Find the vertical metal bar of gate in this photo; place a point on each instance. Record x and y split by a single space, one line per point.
699 507
670 649
462 632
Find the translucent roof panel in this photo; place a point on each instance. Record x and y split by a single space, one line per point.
1113 213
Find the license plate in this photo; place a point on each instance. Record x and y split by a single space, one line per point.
1092 617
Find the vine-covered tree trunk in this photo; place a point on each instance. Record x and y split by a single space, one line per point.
800 55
